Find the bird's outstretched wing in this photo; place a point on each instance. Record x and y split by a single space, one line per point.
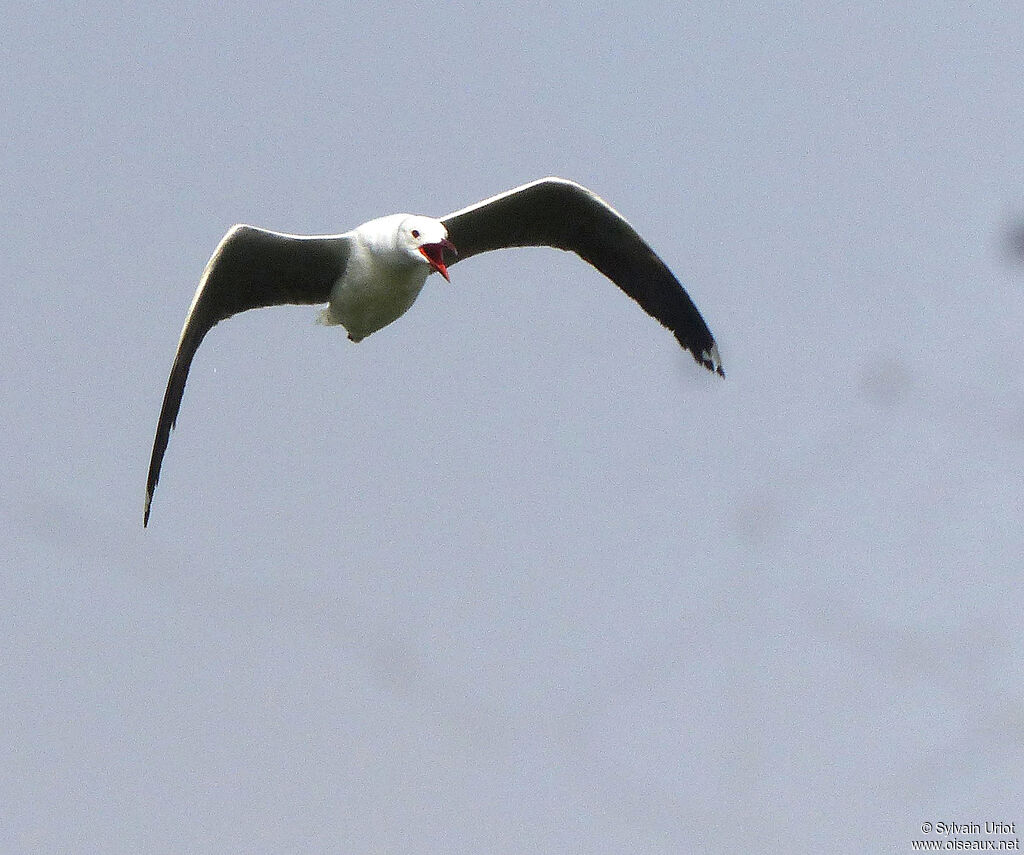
251 268
563 214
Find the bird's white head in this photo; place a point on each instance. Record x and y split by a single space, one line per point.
426 239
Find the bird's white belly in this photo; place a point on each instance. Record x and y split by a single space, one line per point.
365 303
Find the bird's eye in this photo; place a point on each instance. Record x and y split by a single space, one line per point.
415 233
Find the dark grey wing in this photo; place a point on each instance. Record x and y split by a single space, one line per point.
251 268
563 214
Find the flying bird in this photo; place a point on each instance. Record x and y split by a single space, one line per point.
370 276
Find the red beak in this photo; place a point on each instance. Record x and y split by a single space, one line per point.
434 254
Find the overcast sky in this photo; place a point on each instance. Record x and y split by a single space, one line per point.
514 574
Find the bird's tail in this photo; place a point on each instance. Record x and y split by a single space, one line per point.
326 319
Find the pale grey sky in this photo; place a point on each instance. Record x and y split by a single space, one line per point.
514 574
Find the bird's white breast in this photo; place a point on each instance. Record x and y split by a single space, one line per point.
380 281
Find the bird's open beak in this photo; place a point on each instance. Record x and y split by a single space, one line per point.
434 254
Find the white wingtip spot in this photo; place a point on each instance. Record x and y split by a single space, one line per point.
712 358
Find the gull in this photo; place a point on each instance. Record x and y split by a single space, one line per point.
370 276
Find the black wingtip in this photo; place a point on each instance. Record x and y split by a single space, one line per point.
710 359
145 513
714 369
